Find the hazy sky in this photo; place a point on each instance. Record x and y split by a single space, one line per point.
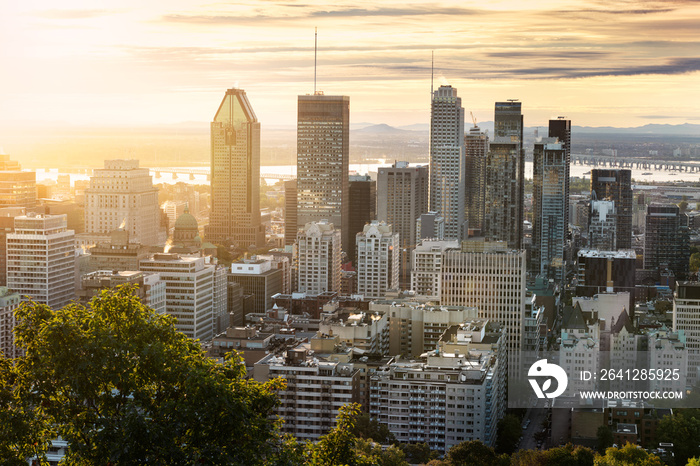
622 63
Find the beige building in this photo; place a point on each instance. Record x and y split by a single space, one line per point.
377 260
319 249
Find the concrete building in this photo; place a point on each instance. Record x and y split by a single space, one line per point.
491 277
41 259
316 389
430 225
323 162
447 163
151 289
453 395
580 346
118 253
290 212
426 273
550 203
377 260
7 225
9 301
17 188
602 226
319 249
122 195
686 318
235 174
259 278
415 327
189 291
364 331
616 185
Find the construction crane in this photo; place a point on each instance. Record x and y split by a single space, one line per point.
473 118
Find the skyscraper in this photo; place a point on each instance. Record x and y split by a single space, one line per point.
41 259
122 195
235 174
17 188
616 185
323 161
505 172
447 160
290 212
363 205
476 145
551 202
666 239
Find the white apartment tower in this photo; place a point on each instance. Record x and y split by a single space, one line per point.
319 249
447 164
122 195
426 274
190 291
41 259
377 260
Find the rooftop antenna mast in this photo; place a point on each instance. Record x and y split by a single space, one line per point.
315 53
432 71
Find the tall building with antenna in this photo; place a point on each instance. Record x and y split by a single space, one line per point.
476 147
447 166
235 174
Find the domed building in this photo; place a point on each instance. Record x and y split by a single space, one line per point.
186 237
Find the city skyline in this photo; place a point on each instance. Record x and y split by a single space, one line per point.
622 65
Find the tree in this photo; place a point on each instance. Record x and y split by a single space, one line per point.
683 430
629 455
368 428
418 452
473 453
509 431
694 262
605 439
123 386
567 455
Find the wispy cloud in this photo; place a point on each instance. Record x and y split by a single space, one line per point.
74 14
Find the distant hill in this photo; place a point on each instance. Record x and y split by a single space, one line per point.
653 128
382 129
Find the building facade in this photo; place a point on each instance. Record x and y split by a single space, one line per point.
17 188
151 289
447 159
363 208
377 260
666 239
323 162
476 144
122 195
235 174
9 301
41 259
319 250
616 185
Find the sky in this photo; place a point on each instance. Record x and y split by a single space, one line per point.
148 62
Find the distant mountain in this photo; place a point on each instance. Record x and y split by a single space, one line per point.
416 127
653 128
382 129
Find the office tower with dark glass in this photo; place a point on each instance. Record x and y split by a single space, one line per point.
476 145
363 208
323 162
503 211
290 212
616 185
550 201
235 174
447 160
666 239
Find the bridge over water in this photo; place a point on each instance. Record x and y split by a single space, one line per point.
205 171
606 161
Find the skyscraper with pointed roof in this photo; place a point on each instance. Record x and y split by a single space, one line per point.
235 174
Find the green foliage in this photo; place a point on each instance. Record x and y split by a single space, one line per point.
509 431
683 430
693 462
418 452
472 453
629 455
605 439
568 455
367 428
122 386
694 262
392 456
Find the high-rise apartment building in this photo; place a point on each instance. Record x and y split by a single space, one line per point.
190 292
260 278
402 196
122 195
505 172
550 202
9 301
323 162
363 208
476 144
666 239
41 259
235 174
426 272
290 212
616 185
151 289
377 260
611 271
686 317
17 188
319 258
447 160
